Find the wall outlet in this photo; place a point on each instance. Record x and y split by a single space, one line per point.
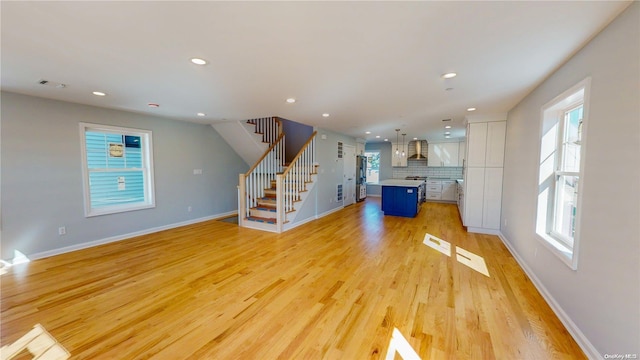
62 230
188 208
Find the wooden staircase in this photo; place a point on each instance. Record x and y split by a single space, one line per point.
272 191
266 209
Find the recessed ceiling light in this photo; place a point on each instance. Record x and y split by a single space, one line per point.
415 138
201 114
377 136
153 105
325 115
448 127
99 93
447 137
291 100
447 133
386 139
449 75
198 61
367 132
471 109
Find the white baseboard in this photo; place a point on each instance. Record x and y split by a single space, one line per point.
329 212
576 333
483 231
116 238
312 218
301 222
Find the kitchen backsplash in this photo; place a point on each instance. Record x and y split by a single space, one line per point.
419 168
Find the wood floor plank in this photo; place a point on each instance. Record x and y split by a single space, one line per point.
334 288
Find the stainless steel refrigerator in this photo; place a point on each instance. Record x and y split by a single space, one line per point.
361 177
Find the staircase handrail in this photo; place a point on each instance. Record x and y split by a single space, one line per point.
265 154
252 184
293 180
269 127
302 150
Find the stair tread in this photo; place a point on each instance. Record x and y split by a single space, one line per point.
265 208
262 219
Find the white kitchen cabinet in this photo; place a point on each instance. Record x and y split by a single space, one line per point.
476 144
483 176
433 189
473 197
399 160
442 154
462 148
496 134
486 144
444 190
492 199
461 200
449 190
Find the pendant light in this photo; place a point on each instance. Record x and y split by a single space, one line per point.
403 153
397 141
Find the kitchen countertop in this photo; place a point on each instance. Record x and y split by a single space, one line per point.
401 182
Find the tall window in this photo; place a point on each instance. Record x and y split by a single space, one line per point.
373 166
117 169
561 148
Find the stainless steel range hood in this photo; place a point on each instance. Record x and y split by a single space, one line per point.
417 150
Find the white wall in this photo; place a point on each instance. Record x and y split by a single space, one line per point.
42 177
601 298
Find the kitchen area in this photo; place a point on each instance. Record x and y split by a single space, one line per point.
435 177
418 171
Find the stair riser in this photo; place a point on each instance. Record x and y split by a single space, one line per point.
267 203
263 221
262 213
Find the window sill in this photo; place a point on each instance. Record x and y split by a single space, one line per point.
560 250
117 209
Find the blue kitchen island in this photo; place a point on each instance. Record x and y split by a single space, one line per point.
401 197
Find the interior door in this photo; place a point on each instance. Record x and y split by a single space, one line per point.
349 175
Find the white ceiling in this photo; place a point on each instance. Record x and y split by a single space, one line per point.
373 66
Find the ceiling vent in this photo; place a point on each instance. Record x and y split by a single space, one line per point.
51 84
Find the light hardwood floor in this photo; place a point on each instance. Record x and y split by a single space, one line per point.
334 288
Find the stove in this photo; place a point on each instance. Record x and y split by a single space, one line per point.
415 178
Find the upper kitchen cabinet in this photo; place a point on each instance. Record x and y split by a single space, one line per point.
476 144
496 135
485 143
443 154
397 160
462 149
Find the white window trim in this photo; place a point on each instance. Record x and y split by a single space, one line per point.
150 197
568 255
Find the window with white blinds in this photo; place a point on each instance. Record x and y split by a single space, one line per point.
117 169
